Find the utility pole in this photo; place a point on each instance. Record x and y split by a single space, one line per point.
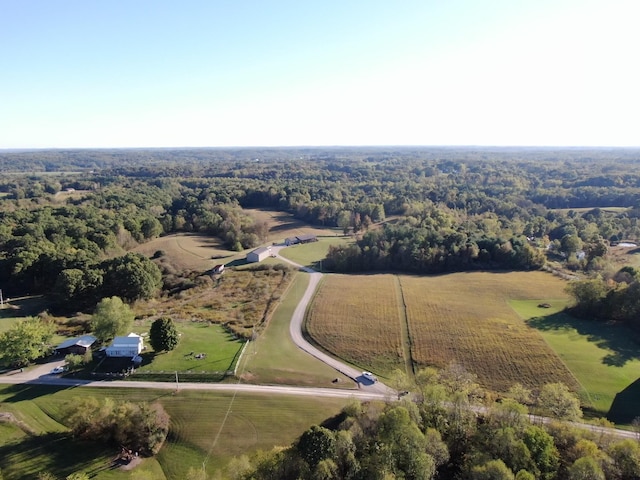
1 300
177 386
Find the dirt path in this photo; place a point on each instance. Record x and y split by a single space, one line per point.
404 330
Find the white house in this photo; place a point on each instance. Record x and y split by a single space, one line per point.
128 346
258 254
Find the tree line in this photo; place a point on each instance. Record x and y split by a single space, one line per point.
412 209
450 429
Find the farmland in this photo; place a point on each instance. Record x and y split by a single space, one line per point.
356 318
273 358
463 318
256 422
283 225
190 251
603 357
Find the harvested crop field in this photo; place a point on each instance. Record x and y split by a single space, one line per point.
461 317
466 318
283 225
357 318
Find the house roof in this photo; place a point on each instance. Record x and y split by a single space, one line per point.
131 340
308 236
84 341
260 250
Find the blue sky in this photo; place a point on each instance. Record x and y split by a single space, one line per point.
136 73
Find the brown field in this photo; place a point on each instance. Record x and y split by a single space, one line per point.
356 317
466 318
242 300
190 251
621 256
462 317
283 225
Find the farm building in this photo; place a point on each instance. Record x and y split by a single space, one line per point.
218 269
128 346
258 254
300 239
78 345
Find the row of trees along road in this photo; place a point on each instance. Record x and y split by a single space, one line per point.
438 434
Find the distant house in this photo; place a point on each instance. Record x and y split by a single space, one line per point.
77 346
218 269
300 239
129 346
307 238
258 254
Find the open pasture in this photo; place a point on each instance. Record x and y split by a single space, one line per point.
243 423
604 357
311 254
356 318
466 318
188 251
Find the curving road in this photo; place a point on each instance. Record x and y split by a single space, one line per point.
295 330
368 390
40 374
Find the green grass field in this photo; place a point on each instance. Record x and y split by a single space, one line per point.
221 350
604 358
243 424
312 254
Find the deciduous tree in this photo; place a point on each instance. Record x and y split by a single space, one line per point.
25 342
111 318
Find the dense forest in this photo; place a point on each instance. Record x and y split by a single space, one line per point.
422 210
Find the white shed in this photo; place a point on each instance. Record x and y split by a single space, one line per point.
128 346
258 254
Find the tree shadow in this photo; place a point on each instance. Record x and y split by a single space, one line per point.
56 453
30 391
625 406
621 342
237 262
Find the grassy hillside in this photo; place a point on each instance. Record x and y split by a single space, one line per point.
206 428
604 358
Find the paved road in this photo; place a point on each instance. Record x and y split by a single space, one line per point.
367 389
40 374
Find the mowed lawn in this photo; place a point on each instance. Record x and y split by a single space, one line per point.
605 358
460 317
273 358
356 318
207 428
312 254
203 347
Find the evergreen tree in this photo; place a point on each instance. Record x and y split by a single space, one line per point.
163 335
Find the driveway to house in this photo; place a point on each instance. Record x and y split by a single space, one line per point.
295 330
367 389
